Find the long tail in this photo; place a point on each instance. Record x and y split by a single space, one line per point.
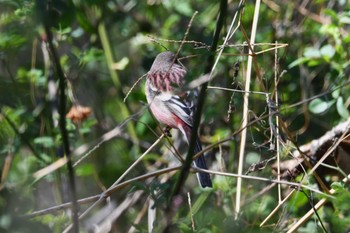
203 178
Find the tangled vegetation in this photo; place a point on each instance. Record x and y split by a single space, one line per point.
81 152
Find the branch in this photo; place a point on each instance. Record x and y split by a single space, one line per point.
315 149
201 98
246 102
22 137
105 194
62 126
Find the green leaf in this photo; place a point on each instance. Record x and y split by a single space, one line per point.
318 106
87 125
84 22
342 110
220 134
45 141
314 62
337 186
252 157
85 169
311 52
77 33
330 12
70 125
327 51
299 61
344 20
120 65
336 93
11 41
310 227
299 200
182 7
91 55
200 202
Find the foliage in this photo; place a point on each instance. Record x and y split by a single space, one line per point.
103 48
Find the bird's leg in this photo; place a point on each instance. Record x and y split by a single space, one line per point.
167 131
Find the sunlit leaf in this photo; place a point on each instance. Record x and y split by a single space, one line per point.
298 62
47 142
311 52
344 19
85 169
327 51
336 93
318 106
11 41
342 110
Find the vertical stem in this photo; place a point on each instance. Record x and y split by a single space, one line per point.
245 107
108 54
277 136
124 112
62 126
201 98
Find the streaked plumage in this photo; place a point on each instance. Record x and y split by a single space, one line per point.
171 109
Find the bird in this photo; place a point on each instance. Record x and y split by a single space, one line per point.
173 109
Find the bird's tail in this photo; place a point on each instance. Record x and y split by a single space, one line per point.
203 178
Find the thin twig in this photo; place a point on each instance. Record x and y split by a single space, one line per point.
103 195
151 214
246 108
258 194
123 109
85 149
107 223
292 184
329 151
196 43
63 129
7 164
106 194
133 86
191 213
61 206
21 136
316 96
316 207
186 33
277 129
277 208
148 175
139 216
160 172
309 197
137 161
228 36
201 98
240 91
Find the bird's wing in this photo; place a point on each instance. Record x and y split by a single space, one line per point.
180 108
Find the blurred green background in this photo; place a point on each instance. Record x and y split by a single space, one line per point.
104 47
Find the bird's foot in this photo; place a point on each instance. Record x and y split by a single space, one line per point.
167 131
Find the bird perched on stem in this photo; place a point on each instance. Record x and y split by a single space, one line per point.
173 110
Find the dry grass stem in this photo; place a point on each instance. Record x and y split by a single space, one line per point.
246 109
